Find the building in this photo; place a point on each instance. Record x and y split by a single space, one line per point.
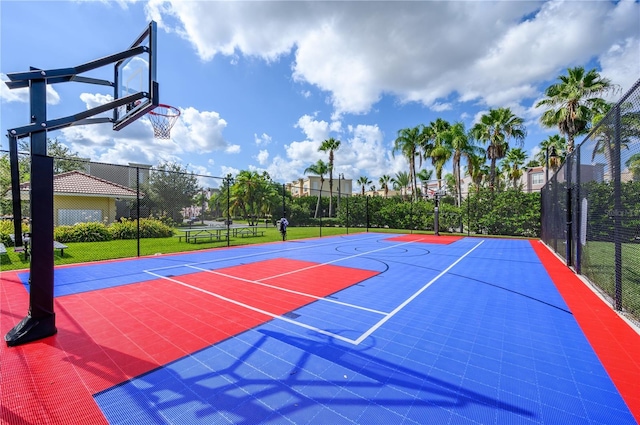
79 197
310 186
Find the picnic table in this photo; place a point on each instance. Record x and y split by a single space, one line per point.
26 240
217 231
196 234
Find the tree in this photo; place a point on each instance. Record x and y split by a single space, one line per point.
495 129
170 189
476 169
363 181
459 142
330 145
402 181
569 102
435 145
514 160
424 176
320 168
556 142
384 184
408 142
253 194
633 163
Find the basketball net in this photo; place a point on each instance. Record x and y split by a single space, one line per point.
162 118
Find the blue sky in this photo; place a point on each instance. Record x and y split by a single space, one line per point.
261 84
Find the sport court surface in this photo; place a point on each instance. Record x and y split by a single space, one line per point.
364 328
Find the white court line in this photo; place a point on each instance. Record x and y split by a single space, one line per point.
321 331
258 254
259 310
304 294
412 297
259 282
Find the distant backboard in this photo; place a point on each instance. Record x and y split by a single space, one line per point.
136 75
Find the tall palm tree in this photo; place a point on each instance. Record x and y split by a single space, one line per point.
633 163
330 145
435 146
384 184
363 181
424 176
408 142
402 181
461 144
320 168
475 168
568 102
515 159
556 142
495 128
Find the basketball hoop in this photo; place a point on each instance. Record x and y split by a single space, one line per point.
162 118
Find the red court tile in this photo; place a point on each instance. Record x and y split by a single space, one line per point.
614 341
443 239
108 336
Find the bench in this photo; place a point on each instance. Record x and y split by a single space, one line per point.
210 237
250 232
3 249
60 246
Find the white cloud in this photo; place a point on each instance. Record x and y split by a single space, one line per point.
233 149
263 139
262 157
195 131
434 53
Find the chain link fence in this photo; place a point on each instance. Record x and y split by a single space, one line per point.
591 206
137 210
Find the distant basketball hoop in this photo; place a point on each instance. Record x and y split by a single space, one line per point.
162 118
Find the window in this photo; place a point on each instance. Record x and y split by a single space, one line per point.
71 217
537 178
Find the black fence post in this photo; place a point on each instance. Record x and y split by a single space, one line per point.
138 205
617 216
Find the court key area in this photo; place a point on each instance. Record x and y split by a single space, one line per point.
366 328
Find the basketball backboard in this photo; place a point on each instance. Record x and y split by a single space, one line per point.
136 75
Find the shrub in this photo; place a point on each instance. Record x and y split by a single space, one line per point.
6 229
152 228
149 228
82 232
124 229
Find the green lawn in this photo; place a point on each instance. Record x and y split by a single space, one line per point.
598 264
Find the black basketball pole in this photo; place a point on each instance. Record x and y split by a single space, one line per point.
40 320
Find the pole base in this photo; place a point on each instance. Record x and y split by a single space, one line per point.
30 329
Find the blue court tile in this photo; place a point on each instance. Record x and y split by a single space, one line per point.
526 389
485 376
422 412
607 414
378 415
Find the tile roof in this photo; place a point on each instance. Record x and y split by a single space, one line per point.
78 183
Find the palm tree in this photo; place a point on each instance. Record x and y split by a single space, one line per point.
514 160
408 142
569 101
320 168
424 176
435 145
384 184
496 128
633 163
363 181
459 142
402 181
475 169
330 145
557 143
